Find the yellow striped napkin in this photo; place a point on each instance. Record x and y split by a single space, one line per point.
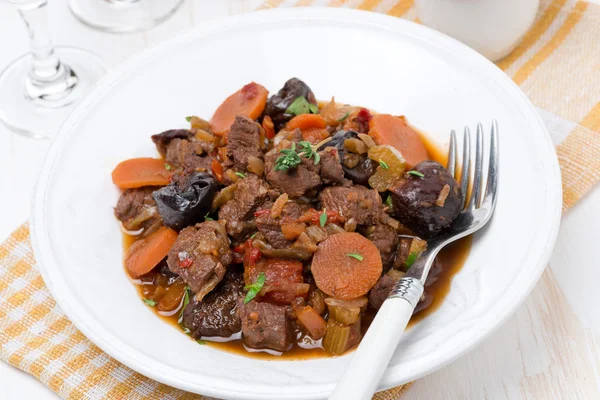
558 67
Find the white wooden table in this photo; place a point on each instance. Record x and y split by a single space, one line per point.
549 350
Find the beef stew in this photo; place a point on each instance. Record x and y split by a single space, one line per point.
281 234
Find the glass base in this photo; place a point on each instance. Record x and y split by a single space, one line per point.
123 15
25 117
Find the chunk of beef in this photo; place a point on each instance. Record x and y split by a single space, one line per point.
271 227
265 326
200 255
183 153
162 140
279 103
381 291
331 168
296 182
385 238
426 204
136 209
243 141
353 202
402 253
238 213
217 313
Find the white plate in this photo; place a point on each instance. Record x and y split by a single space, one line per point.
362 58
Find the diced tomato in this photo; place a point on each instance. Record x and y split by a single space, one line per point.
364 116
314 217
252 256
217 169
262 212
186 263
284 280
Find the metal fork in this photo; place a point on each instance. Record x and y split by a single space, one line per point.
370 360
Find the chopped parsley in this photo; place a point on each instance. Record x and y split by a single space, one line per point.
188 119
388 201
201 341
289 159
168 167
410 260
309 151
150 302
241 175
356 256
207 218
255 288
253 235
344 117
416 173
323 217
185 302
383 164
302 106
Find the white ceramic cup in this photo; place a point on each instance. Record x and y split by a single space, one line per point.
492 27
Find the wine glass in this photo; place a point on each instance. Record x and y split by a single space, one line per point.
123 15
39 90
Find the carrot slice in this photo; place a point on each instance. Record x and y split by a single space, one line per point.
138 172
249 101
145 254
394 131
306 121
315 135
346 266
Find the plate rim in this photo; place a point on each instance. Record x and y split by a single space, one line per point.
208 386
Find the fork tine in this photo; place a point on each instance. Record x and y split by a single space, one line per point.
492 179
476 195
466 166
451 167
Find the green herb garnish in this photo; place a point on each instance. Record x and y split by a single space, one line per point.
168 167
186 300
388 201
416 173
241 175
254 288
201 341
383 164
355 255
302 106
188 119
344 117
289 159
150 302
310 151
323 217
207 218
410 260
253 235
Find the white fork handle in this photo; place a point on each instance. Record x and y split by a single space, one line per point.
373 355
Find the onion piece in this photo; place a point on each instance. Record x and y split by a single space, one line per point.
256 165
278 205
224 196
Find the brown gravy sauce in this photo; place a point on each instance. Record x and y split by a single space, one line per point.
452 259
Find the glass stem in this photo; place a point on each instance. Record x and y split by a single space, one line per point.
49 80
